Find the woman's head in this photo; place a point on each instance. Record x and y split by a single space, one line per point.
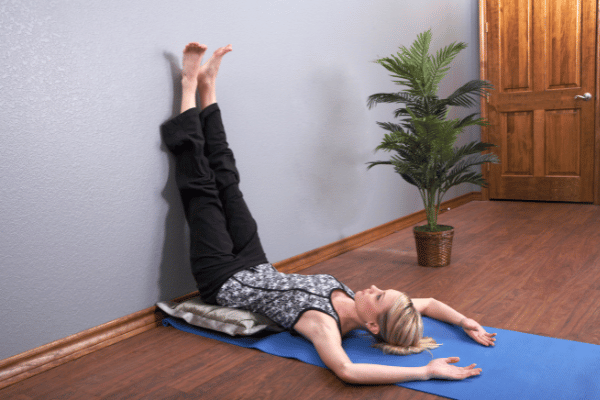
394 321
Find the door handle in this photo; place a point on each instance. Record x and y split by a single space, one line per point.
585 97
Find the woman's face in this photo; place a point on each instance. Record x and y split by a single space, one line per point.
373 302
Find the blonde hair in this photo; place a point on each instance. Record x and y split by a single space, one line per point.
401 330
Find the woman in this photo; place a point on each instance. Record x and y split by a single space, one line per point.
231 269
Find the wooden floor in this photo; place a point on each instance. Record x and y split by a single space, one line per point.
531 267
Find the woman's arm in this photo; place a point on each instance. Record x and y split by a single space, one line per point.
440 311
323 332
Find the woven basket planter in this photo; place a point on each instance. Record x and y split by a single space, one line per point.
434 248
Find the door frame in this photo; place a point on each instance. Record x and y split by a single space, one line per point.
485 194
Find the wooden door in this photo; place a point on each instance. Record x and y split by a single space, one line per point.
540 55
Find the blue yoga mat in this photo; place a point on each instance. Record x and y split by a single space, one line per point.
520 366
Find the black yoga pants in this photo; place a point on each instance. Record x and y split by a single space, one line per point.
223 233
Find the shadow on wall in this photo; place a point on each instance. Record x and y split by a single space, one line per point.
175 277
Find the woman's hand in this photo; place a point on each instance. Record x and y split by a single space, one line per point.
477 333
441 369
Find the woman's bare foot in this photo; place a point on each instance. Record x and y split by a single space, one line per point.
207 76
192 63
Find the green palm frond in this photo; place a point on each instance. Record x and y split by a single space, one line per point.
422 107
467 94
461 172
438 66
390 98
472 177
470 120
467 150
390 126
371 164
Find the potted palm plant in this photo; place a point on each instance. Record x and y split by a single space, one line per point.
424 139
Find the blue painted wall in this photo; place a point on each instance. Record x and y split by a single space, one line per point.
91 225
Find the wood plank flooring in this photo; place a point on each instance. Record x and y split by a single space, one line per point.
531 267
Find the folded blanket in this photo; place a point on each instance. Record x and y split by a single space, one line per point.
520 366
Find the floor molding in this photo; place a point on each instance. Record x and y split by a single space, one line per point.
331 250
43 358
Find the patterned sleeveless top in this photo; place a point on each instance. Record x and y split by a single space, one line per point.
281 297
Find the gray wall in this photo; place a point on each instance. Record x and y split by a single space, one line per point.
91 225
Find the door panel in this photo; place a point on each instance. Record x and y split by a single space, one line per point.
518 154
540 55
562 128
516 40
563 41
